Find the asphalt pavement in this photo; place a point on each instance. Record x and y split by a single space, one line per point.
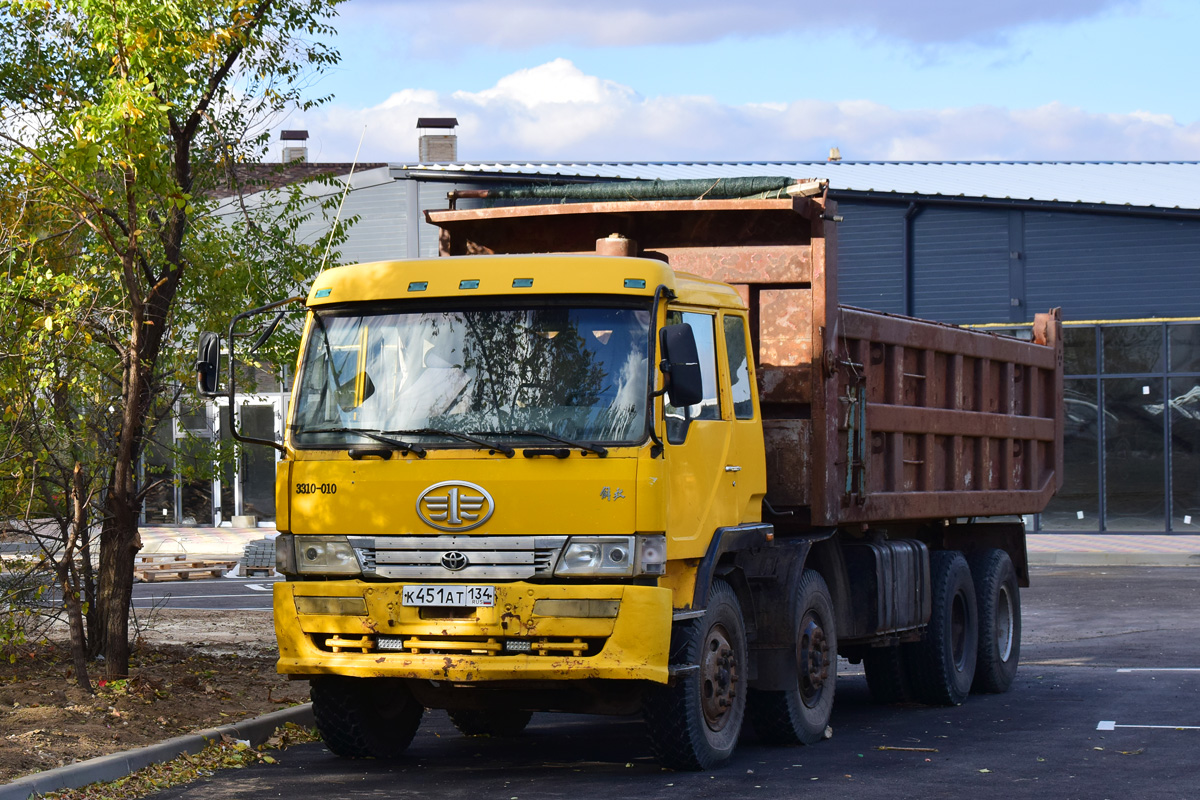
210 594
1106 705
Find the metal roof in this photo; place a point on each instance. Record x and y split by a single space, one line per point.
1143 184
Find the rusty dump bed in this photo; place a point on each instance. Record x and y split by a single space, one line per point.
868 417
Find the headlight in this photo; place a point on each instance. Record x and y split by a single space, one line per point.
315 555
613 555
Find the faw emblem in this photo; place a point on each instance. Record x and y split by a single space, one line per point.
455 506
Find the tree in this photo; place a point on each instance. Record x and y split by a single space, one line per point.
119 121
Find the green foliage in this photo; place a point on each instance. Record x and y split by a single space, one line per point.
127 128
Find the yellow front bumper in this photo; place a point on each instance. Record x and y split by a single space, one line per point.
630 646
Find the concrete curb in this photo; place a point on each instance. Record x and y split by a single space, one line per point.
119 765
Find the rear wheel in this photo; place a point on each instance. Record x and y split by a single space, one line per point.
472 722
801 714
942 665
365 717
999 621
887 675
695 723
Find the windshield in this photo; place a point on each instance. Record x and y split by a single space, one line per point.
578 373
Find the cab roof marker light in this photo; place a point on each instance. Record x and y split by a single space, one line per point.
522 283
471 284
418 286
324 292
635 283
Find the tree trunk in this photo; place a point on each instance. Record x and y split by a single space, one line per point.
119 540
119 543
68 579
95 630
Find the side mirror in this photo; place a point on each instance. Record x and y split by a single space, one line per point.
681 363
208 364
347 393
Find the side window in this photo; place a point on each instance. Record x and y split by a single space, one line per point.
739 367
678 419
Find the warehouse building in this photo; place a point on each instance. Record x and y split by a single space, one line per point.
1115 245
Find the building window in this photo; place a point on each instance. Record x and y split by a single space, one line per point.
1132 429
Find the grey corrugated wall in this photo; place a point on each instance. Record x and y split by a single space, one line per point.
1112 267
970 263
381 231
960 265
871 256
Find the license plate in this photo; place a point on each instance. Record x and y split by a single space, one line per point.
442 595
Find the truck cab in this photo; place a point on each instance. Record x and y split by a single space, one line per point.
485 480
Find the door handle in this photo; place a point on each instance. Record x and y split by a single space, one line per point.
731 468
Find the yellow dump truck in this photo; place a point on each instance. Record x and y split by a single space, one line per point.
633 457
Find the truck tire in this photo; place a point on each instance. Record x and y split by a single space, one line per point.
800 715
499 723
999 621
942 665
695 722
887 675
365 717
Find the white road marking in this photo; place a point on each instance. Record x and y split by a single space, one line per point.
1159 669
1110 725
177 597
258 587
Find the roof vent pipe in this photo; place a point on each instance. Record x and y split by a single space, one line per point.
437 147
297 151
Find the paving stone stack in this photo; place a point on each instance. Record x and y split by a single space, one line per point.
259 557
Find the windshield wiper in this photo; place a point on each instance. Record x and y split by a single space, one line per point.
590 448
503 448
370 433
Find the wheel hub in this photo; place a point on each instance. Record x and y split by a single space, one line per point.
1005 624
812 658
719 678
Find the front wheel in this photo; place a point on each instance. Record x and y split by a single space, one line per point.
800 714
365 717
695 723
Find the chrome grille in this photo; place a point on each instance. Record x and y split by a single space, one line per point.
489 557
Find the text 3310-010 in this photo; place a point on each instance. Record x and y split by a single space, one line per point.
316 488
458 595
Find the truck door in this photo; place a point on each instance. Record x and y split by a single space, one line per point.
700 498
745 467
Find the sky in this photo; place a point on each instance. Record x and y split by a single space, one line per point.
713 80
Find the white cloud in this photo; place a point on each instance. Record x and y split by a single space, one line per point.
558 81
519 24
555 111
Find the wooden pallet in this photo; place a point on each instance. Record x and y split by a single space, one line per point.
154 568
